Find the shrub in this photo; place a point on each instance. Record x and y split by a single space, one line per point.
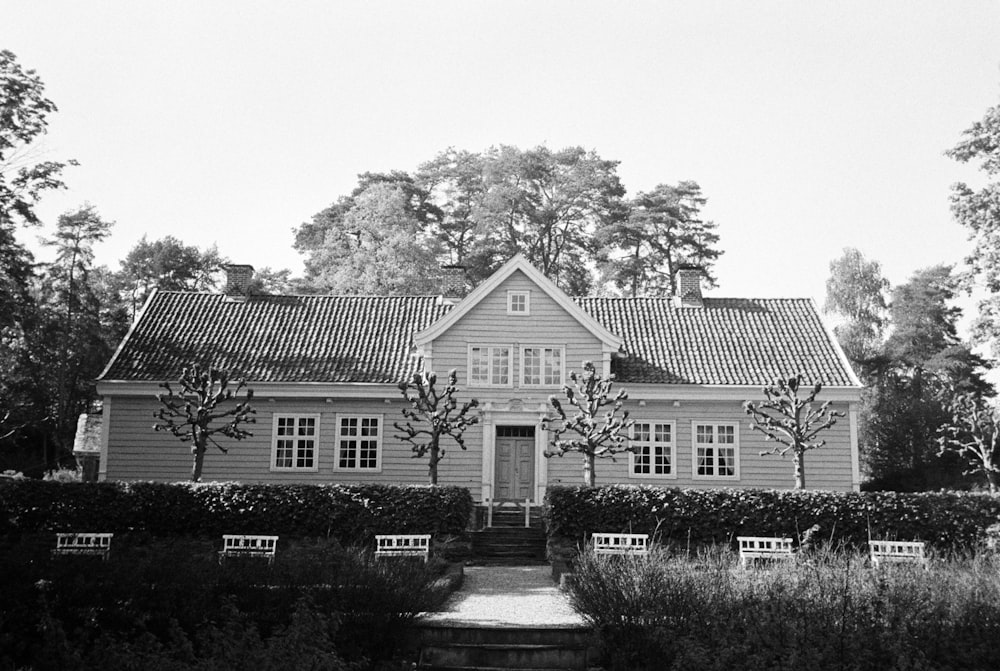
831 612
350 513
947 521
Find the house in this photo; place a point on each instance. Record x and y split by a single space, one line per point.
324 370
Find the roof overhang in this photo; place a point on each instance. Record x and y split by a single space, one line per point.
267 390
723 392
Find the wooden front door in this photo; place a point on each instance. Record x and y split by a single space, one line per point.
515 463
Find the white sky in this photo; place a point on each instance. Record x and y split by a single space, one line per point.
811 126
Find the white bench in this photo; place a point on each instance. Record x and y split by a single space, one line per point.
897 552
244 545
83 544
403 545
620 544
761 547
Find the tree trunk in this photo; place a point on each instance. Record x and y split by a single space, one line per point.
589 474
800 470
992 478
198 449
432 470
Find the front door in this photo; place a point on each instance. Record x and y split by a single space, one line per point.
515 462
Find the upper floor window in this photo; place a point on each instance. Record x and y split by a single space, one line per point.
294 442
489 365
519 302
716 450
653 450
542 366
359 442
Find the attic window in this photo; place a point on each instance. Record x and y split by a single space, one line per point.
519 302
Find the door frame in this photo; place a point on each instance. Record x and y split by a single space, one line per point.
512 414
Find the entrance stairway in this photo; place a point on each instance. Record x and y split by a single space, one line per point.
508 539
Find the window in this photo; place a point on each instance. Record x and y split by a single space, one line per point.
653 454
293 443
489 365
359 439
716 450
519 302
542 366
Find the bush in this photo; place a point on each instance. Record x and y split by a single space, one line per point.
947 521
169 604
830 612
350 513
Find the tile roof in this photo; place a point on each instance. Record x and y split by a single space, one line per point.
369 338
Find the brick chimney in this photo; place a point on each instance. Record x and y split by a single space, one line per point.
238 279
453 284
689 286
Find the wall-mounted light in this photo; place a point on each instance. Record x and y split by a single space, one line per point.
677 404
329 400
642 404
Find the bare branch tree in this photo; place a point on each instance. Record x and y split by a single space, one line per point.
441 414
600 435
974 434
189 414
791 421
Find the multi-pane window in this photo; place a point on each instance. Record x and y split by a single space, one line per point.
542 366
518 302
715 450
294 442
358 442
652 446
489 365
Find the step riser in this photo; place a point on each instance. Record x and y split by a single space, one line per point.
513 657
567 638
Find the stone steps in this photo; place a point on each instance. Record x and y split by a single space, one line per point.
508 542
457 648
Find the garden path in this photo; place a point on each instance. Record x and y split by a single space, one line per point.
507 596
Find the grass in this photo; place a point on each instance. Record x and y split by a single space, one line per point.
825 611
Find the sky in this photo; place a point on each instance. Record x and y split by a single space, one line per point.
810 126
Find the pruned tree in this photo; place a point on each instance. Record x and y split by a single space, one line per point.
600 431
973 433
436 414
792 421
192 412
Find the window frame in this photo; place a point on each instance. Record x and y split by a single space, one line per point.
511 294
339 436
297 416
541 370
653 444
490 346
715 424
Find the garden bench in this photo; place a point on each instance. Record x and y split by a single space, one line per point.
244 545
621 544
897 552
403 545
760 547
83 544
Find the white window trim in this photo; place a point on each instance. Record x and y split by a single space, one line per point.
378 450
527 303
673 453
510 366
694 450
562 372
274 442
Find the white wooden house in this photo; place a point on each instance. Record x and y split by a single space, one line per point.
324 371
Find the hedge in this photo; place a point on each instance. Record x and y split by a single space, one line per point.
946 520
350 513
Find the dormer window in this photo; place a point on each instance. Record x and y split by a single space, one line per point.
518 302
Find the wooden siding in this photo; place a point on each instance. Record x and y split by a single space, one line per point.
828 467
488 323
136 452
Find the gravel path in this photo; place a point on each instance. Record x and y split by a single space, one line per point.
507 596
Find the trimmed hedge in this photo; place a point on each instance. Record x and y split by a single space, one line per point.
946 520
349 513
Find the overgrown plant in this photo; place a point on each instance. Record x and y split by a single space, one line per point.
974 434
192 413
791 421
600 433
436 414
